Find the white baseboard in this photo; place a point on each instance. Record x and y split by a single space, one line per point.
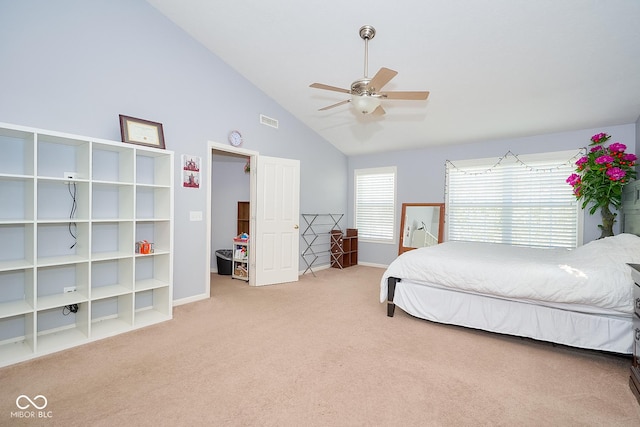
315 268
325 266
190 299
371 264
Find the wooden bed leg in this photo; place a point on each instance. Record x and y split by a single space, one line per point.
391 290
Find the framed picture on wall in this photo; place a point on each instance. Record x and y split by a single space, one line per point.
141 132
191 171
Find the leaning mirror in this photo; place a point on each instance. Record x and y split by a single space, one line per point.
421 224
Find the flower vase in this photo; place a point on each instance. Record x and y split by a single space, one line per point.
608 219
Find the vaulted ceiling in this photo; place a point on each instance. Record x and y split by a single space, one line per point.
495 68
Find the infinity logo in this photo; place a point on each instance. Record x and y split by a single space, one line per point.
24 397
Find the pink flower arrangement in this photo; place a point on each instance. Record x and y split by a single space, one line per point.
602 173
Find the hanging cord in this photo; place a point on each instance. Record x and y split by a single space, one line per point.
73 227
68 309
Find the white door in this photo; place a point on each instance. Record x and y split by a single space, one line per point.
277 234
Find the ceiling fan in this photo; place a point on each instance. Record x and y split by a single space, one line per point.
366 94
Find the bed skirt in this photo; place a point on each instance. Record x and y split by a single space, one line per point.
612 333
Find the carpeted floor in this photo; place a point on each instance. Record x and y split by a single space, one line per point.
319 352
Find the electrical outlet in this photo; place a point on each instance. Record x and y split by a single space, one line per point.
68 289
70 175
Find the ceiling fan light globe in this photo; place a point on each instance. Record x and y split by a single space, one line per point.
365 104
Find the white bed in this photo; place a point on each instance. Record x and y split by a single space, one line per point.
581 298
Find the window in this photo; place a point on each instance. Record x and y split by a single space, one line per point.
518 200
375 204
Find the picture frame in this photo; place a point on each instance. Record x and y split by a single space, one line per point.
141 132
191 171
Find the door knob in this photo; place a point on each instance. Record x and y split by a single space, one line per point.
295 227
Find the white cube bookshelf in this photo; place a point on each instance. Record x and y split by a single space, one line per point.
69 273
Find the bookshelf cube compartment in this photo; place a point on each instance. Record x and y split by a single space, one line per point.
111 316
59 200
152 306
111 278
16 338
152 167
111 240
109 201
112 163
19 194
57 244
59 328
17 152
58 155
16 292
53 283
156 232
152 271
18 254
153 203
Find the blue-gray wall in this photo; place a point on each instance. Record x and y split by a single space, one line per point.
421 173
73 66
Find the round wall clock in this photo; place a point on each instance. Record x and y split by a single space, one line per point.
235 138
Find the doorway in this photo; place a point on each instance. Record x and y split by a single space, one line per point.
230 181
274 198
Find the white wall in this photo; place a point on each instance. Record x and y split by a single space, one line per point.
74 66
421 173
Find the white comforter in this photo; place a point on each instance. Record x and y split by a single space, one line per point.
594 274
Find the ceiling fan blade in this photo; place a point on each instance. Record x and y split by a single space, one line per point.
335 105
327 87
379 111
382 77
411 96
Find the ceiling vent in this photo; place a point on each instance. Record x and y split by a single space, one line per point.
268 121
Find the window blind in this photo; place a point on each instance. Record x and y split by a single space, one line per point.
517 200
375 196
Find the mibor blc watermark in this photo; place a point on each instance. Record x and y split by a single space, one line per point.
31 407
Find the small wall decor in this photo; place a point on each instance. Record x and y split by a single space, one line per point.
141 132
191 171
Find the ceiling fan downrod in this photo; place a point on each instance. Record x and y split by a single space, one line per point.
367 32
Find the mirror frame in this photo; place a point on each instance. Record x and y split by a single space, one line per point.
401 248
